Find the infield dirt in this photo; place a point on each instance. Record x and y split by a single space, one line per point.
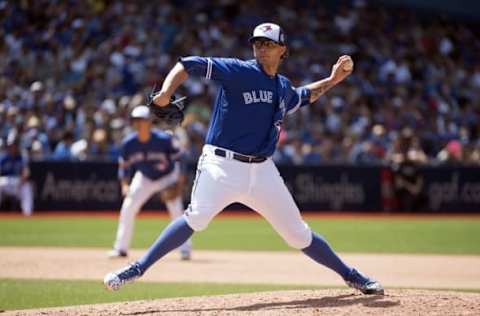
411 271
287 303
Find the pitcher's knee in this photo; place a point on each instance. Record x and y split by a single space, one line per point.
196 219
299 239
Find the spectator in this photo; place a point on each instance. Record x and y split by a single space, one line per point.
33 134
408 183
83 69
63 149
405 160
452 153
100 147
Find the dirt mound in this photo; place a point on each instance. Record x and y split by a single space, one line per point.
318 302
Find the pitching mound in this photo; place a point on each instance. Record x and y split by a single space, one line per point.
318 302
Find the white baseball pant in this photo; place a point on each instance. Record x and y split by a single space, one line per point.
221 181
22 191
140 190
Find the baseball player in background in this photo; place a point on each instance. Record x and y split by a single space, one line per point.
236 164
151 157
14 175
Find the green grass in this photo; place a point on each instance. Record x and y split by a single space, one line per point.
379 235
24 294
421 235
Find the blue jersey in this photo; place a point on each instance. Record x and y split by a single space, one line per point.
154 159
250 105
12 165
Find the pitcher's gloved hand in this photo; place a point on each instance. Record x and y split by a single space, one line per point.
172 113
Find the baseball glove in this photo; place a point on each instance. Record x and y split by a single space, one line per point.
172 113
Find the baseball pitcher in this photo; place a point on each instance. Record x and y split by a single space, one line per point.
236 165
150 156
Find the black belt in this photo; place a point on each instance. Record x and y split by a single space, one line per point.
239 157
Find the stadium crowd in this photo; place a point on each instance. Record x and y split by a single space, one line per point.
71 71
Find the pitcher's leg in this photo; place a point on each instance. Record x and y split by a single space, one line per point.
271 198
320 251
174 235
175 208
283 214
211 193
208 198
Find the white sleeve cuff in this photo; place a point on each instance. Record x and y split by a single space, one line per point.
295 108
208 75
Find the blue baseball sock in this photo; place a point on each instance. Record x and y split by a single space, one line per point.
320 251
174 235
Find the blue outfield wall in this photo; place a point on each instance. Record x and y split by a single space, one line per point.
94 186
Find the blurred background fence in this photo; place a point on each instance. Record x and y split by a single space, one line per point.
93 186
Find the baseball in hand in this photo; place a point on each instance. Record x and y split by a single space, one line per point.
348 65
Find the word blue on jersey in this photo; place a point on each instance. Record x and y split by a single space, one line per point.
12 165
250 105
154 159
